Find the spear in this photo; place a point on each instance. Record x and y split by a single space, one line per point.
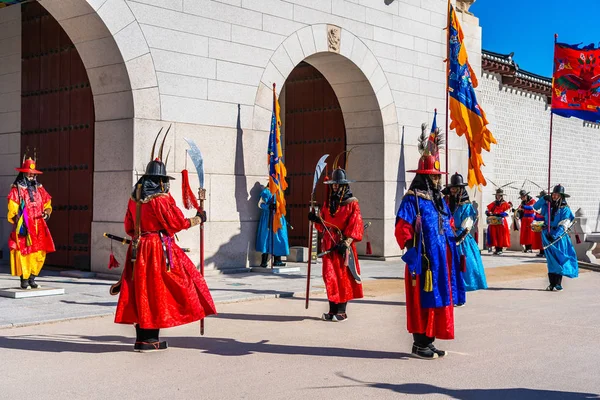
318 171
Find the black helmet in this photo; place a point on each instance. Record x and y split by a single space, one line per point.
457 180
156 167
560 190
338 176
523 192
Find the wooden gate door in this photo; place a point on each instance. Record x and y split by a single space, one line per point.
314 125
57 120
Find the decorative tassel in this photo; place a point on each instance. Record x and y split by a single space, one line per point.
463 263
428 281
112 262
418 225
577 239
369 250
188 197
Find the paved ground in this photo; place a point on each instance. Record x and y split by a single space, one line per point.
89 297
513 341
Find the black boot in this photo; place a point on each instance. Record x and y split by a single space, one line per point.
278 262
264 261
147 340
24 283
32 282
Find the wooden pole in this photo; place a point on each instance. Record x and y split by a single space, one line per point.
447 84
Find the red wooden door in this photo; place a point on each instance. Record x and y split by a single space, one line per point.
314 125
57 120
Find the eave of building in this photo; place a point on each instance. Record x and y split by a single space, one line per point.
512 76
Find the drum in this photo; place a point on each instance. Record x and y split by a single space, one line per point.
537 226
493 220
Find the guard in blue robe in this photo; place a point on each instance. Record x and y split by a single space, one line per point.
464 214
278 245
560 253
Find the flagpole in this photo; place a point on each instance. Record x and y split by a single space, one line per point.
550 139
447 83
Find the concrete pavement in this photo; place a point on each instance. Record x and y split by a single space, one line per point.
89 297
513 341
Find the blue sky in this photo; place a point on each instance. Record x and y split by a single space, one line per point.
527 28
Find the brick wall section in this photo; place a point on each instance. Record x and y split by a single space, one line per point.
521 123
10 110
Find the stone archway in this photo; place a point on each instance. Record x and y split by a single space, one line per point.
123 80
368 109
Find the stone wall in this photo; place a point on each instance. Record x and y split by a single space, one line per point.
10 110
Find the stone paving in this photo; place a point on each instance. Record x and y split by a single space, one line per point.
87 297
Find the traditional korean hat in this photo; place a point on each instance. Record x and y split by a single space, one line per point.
542 194
429 147
156 167
560 190
523 192
499 192
457 180
28 165
339 175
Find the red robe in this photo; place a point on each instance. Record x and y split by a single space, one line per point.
151 295
537 236
527 235
41 240
498 235
341 286
433 322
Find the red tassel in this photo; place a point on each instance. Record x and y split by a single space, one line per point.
188 197
112 262
577 239
418 225
369 250
463 263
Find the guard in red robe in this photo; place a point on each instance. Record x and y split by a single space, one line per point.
341 226
498 233
29 207
162 288
526 215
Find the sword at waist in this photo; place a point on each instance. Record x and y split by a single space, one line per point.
128 241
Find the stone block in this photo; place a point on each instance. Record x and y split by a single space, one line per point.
10 14
280 26
18 293
231 92
410 101
164 18
132 42
235 198
109 79
378 80
349 10
10 30
113 106
10 102
272 75
429 61
181 42
144 134
272 7
9 142
147 103
109 187
238 73
10 46
361 103
298 254
182 85
116 15
390 245
256 37
346 43
370 196
379 18
362 88
224 12
176 5
385 98
99 52
239 53
113 145
404 84
229 244
359 52
184 64
320 35
85 27
8 163
141 72
363 119
389 115
307 41
10 122
294 49
204 112
391 8
414 12
262 121
11 64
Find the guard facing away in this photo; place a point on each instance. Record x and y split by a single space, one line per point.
161 287
526 215
29 207
560 254
471 266
341 226
537 227
424 227
498 232
268 242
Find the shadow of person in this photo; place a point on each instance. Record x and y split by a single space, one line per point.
265 317
473 394
67 343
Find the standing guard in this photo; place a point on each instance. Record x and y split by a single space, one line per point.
161 287
498 232
267 241
29 207
537 227
341 225
526 215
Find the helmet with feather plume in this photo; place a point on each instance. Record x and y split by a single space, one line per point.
338 175
429 148
156 167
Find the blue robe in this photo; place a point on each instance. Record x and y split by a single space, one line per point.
474 277
560 257
264 233
437 244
